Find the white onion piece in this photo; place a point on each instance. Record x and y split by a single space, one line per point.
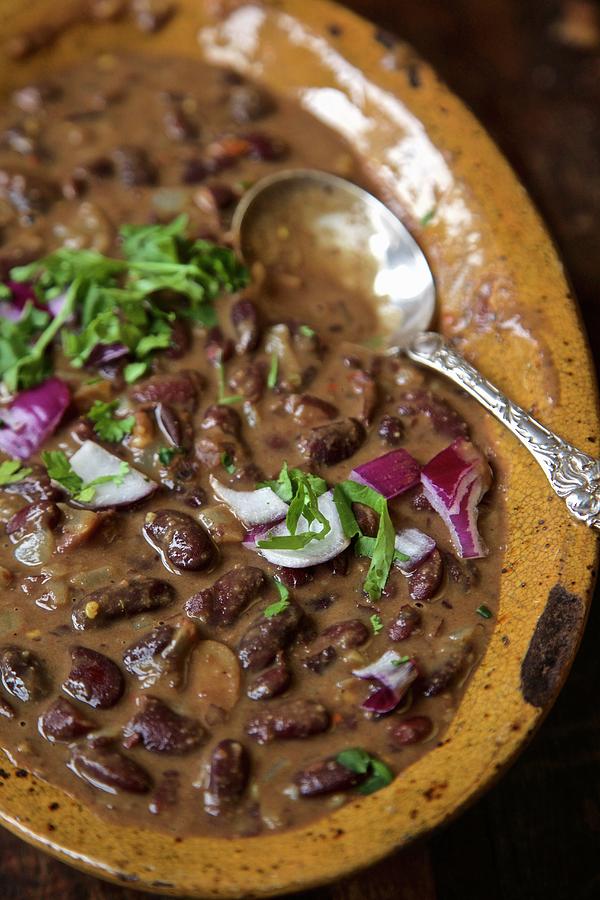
416 545
317 551
251 507
92 461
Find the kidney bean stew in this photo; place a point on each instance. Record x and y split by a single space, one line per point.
238 572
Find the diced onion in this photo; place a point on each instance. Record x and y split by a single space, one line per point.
252 507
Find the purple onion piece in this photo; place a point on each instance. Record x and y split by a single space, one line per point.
32 417
394 678
415 544
390 474
21 294
454 482
106 353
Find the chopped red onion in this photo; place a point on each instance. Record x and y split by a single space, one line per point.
251 507
416 545
21 294
454 482
390 474
92 461
394 677
106 353
318 551
32 417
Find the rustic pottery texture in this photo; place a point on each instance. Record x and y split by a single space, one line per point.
504 297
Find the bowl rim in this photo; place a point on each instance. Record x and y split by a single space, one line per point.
424 796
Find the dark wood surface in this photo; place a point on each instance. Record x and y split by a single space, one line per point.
530 69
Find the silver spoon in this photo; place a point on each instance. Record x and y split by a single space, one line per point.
316 222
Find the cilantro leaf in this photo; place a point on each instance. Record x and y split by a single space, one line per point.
302 490
280 605
166 454
106 425
273 371
376 623
228 462
383 550
222 397
357 760
60 470
133 371
11 471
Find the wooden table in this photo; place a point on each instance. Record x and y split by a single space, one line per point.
531 72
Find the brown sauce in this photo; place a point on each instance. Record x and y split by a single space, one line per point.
125 140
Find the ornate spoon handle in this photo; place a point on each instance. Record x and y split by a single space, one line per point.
574 475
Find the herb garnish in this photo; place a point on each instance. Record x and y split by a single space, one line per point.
280 605
60 470
273 371
301 490
358 760
429 215
11 471
484 611
400 661
106 425
382 551
166 454
307 331
376 623
112 298
228 462
222 397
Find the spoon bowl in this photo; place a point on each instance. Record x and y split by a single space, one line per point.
310 221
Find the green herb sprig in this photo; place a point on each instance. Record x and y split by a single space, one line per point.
358 760
274 609
106 425
60 470
11 471
301 491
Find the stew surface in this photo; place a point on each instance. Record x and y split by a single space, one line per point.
152 663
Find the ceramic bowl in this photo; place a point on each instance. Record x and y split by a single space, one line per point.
503 295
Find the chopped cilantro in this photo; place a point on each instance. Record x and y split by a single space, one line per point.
376 623
307 331
301 490
222 397
166 454
11 471
273 371
429 215
358 760
400 661
484 612
383 551
227 462
284 601
106 425
60 470
115 299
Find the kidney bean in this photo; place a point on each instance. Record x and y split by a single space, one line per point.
94 679
367 518
43 514
318 662
289 720
294 578
35 487
27 193
444 419
180 539
410 731
318 604
218 348
6 709
104 767
178 125
326 777
391 430
124 600
332 443
161 730
340 564
250 381
133 166
170 424
346 635
228 774
63 721
407 621
23 674
244 318
309 410
271 682
175 389
266 637
425 581
214 197
265 147
446 673
223 418
162 653
465 573
166 795
222 603
180 340
248 103
195 170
